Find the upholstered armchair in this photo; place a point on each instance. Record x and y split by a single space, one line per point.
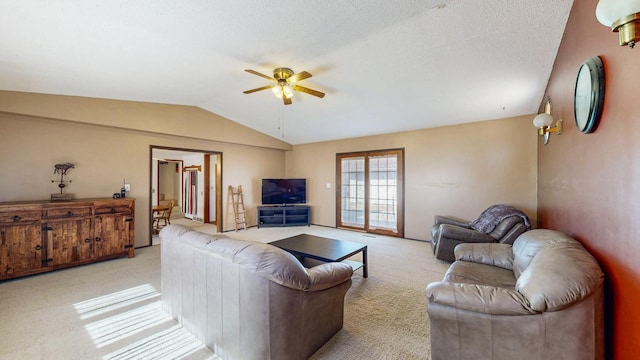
497 224
540 298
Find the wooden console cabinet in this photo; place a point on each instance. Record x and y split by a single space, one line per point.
42 236
287 215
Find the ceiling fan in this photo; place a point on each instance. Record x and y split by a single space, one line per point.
284 80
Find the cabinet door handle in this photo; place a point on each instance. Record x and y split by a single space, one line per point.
98 239
113 210
16 218
38 247
69 214
87 240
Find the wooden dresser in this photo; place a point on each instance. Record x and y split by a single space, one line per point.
41 236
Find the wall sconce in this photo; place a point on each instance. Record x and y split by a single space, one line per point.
543 122
622 16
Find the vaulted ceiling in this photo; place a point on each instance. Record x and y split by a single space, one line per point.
385 66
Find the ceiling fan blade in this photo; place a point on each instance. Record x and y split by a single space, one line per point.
299 76
261 75
308 91
258 89
287 101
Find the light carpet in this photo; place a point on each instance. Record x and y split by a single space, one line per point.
110 310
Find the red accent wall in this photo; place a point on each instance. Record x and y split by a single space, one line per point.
589 185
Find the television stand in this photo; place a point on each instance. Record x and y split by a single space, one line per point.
284 215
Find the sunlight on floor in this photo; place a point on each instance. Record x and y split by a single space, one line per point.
117 327
117 300
173 343
132 314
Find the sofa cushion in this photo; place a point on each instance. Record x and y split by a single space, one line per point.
274 264
480 274
175 231
500 255
478 298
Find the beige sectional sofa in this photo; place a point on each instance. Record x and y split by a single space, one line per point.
249 300
541 298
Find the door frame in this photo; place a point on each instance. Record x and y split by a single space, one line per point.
399 184
207 176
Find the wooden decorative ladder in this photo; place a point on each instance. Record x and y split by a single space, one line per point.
239 211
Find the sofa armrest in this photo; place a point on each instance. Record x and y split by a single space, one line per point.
479 298
512 235
500 255
328 275
453 232
449 236
439 219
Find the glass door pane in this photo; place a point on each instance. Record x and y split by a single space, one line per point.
353 192
383 192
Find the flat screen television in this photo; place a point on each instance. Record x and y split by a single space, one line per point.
284 191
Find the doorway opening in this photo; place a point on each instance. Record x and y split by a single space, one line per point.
190 180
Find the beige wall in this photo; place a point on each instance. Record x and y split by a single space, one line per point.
170 182
105 155
455 170
179 120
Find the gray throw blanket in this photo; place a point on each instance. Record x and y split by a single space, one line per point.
490 218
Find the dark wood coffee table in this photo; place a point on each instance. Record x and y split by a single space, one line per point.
324 249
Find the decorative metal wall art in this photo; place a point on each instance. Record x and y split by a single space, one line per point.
62 183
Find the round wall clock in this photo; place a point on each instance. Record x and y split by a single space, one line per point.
589 95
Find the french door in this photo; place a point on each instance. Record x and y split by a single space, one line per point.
370 191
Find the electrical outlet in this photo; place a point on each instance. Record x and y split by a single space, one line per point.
127 187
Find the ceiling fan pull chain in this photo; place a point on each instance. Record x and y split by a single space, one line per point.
281 121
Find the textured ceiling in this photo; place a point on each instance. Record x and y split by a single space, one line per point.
386 66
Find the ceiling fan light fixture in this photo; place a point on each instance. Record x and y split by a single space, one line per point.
277 91
283 88
288 91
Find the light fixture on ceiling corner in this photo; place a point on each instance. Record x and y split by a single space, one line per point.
543 122
622 16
